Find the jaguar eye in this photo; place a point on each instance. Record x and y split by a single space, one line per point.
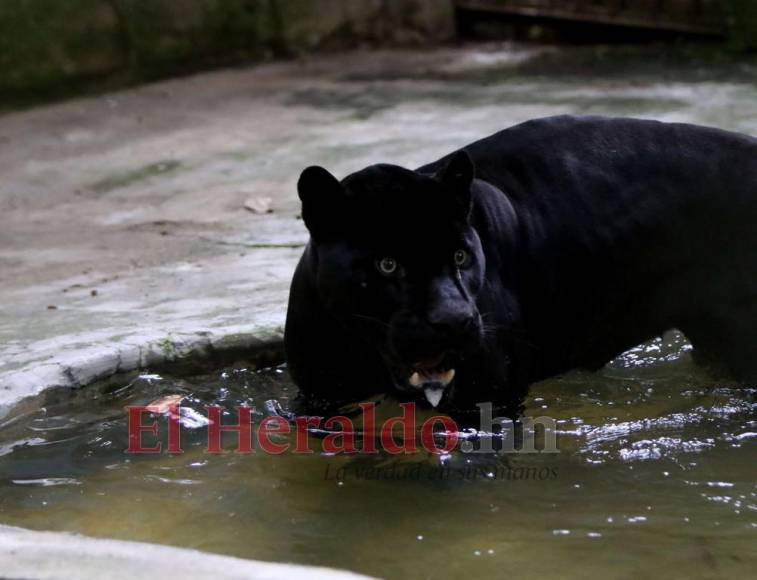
462 258
387 266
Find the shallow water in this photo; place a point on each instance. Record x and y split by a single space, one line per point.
655 476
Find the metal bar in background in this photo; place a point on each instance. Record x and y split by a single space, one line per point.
694 16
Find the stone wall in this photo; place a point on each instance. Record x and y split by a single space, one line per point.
742 24
49 46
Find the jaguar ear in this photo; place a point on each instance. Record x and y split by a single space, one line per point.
322 196
458 175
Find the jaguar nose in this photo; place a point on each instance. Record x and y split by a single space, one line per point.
453 323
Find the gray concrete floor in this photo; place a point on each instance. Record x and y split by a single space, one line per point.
124 237
58 556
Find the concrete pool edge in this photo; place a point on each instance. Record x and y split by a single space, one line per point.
81 367
46 555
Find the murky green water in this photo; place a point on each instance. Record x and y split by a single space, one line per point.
656 477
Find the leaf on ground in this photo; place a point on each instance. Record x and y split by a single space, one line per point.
258 205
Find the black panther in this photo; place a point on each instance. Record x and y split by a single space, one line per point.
552 245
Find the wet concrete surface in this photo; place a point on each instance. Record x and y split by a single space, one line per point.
57 556
124 236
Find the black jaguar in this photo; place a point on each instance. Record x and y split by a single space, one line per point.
552 245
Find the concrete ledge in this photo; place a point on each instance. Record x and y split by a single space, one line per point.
58 556
85 366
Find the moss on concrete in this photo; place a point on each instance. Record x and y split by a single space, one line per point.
742 25
124 179
51 48
161 35
44 44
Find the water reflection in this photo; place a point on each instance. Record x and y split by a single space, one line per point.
656 473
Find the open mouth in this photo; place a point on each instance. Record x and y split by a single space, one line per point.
432 376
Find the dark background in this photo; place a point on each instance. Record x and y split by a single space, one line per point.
55 48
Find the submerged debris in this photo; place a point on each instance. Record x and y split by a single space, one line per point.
164 404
